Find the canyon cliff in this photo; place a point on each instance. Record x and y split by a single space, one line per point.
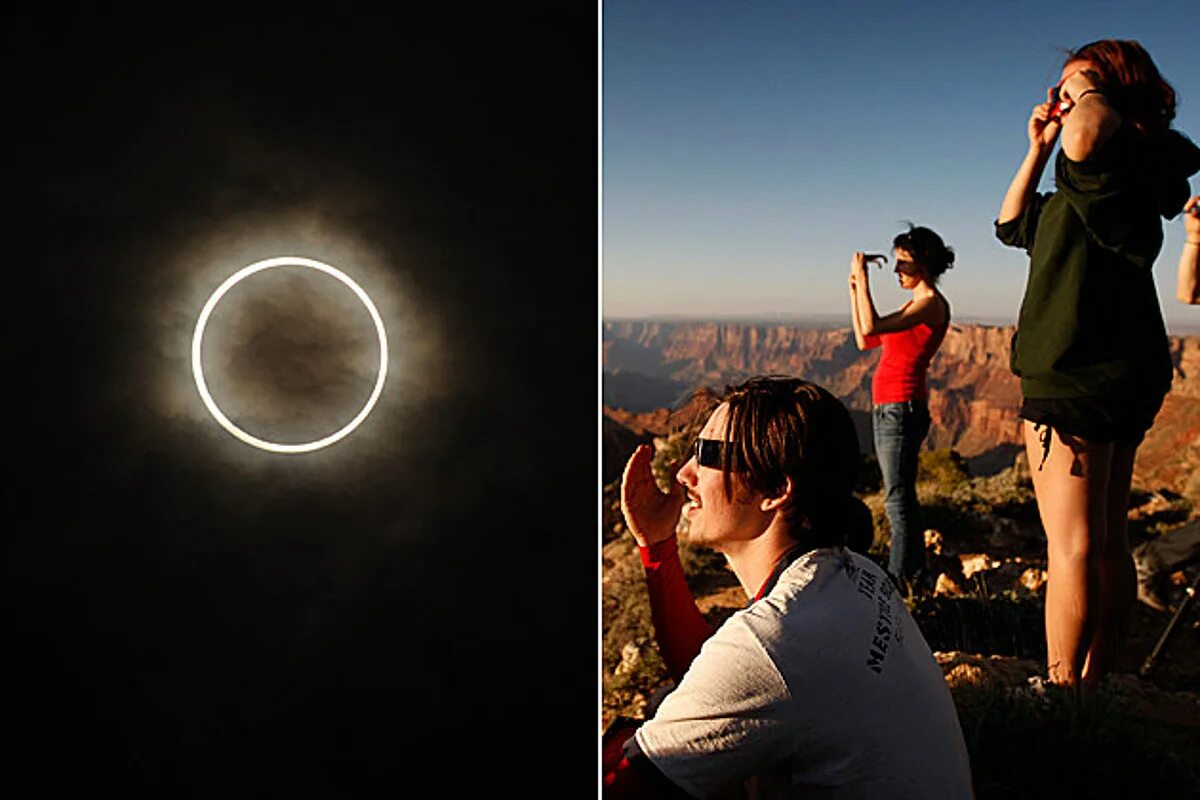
653 366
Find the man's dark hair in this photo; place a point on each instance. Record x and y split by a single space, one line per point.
927 250
781 427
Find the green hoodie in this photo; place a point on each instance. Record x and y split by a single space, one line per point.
1090 322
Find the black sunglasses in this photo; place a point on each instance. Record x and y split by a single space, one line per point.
711 453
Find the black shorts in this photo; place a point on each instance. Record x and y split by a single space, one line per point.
1123 420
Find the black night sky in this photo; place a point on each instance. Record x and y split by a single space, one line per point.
414 606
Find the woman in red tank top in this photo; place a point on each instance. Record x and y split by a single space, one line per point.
900 415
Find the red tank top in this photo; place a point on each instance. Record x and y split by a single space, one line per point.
900 375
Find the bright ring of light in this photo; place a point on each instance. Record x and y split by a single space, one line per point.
198 339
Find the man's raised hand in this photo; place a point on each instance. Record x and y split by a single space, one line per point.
650 515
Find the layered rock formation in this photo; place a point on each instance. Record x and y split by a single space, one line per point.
973 396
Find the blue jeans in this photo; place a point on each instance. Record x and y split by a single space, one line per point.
899 430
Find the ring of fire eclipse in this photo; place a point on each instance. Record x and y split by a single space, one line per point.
198 340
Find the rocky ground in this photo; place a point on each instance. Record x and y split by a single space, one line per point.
984 622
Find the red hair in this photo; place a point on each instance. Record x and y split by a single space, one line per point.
1133 83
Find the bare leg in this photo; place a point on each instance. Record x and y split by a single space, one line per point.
1118 580
1071 488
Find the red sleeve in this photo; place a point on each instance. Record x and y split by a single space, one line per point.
628 782
628 774
679 627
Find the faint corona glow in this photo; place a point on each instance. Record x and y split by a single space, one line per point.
198 340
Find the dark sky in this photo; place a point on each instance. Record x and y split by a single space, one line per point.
202 619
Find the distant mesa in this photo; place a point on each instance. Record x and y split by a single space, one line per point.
654 364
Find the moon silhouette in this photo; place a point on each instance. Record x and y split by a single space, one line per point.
198 341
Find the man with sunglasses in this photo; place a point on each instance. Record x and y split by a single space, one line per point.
814 687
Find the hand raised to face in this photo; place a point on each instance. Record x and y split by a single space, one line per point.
1044 123
650 513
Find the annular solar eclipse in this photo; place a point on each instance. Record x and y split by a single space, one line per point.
198 341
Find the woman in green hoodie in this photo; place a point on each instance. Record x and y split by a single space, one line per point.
1091 346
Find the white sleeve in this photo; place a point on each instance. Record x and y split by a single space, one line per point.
727 719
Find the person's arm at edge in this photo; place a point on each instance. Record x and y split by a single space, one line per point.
1188 282
1188 290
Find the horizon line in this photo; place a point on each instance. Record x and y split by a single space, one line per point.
828 320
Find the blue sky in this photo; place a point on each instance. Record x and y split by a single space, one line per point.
749 148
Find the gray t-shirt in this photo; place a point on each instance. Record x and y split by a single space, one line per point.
823 688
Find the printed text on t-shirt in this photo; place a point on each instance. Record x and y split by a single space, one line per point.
887 629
